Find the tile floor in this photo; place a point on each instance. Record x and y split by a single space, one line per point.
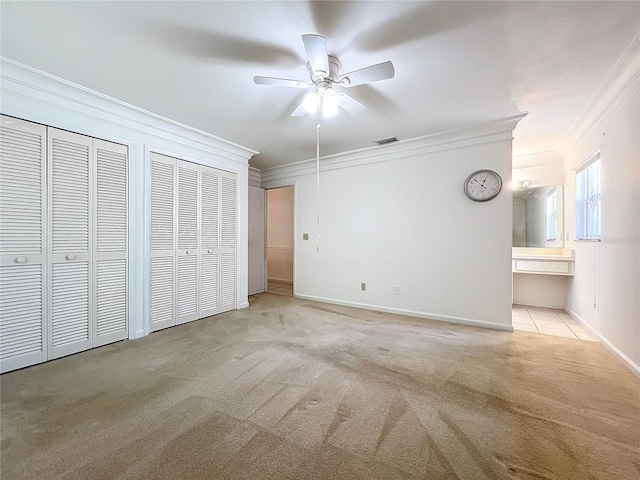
547 321
280 288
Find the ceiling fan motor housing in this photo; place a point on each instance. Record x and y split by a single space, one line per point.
334 72
324 72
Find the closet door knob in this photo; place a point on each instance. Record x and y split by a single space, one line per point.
208 251
21 259
71 257
187 252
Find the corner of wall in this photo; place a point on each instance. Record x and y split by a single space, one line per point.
464 137
602 295
377 226
614 91
630 364
255 177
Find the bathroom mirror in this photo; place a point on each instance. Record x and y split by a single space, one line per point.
537 217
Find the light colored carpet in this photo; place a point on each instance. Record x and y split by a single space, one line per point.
291 389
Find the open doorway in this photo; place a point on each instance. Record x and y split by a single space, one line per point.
280 241
257 240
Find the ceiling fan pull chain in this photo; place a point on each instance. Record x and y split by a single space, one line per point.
318 183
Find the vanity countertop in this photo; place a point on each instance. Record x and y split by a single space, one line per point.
532 253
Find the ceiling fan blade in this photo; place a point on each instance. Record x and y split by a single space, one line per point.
316 47
299 112
280 82
371 74
350 104
202 43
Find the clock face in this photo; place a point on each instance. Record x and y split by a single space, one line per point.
482 185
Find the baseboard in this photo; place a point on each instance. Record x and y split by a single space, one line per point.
243 305
283 280
411 313
630 364
561 307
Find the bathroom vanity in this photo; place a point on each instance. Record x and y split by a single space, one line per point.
540 263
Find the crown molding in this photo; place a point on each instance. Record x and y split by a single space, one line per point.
615 91
18 81
482 133
539 159
255 178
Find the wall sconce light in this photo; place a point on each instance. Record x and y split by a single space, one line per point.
521 184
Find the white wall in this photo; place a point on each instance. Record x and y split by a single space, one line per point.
397 216
280 234
539 290
39 97
605 291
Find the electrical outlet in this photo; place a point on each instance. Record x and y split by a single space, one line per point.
396 290
363 286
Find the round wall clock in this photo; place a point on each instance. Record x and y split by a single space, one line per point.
482 185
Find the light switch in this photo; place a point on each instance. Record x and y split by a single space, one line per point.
305 236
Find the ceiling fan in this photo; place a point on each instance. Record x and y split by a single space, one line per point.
324 73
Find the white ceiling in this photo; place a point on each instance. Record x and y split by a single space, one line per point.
457 63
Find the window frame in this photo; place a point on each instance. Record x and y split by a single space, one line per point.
588 194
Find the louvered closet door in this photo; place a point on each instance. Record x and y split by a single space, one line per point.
70 269
187 252
228 217
110 246
162 279
209 242
23 335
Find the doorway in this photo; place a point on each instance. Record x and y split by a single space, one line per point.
280 241
257 240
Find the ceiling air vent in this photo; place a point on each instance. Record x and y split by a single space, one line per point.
385 141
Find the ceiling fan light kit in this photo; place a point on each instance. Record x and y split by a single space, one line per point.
324 73
330 102
310 103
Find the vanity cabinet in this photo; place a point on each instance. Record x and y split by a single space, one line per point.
543 261
540 263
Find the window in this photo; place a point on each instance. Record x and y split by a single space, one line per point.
552 228
588 192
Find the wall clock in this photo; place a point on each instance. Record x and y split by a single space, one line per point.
482 185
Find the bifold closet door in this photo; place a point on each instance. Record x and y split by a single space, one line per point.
110 247
162 281
209 242
193 241
23 306
63 243
188 254
228 216
70 268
